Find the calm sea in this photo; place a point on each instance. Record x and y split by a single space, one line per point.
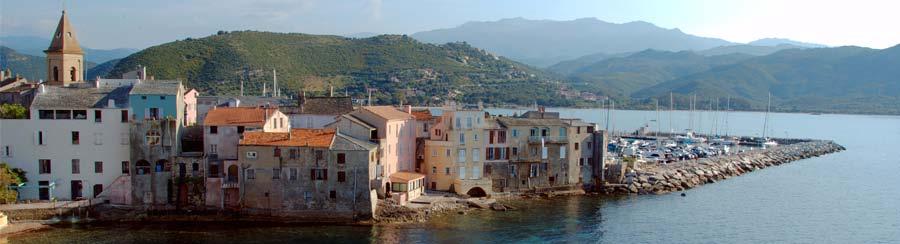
848 197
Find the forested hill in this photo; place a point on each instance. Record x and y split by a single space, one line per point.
399 67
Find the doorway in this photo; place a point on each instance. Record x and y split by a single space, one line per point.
76 190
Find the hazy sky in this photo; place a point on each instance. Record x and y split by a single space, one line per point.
139 24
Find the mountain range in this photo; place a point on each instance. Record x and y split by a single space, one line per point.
35 46
542 43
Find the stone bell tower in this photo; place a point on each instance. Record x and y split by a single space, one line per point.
65 59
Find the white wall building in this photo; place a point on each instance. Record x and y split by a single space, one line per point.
74 145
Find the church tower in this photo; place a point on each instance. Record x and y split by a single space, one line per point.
65 59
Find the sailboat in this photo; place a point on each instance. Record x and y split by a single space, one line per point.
764 141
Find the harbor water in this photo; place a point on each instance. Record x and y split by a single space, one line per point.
848 197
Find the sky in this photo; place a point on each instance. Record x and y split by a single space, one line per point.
139 24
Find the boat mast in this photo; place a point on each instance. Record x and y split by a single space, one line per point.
727 110
671 109
766 122
658 127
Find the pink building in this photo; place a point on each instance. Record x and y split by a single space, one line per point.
393 130
190 107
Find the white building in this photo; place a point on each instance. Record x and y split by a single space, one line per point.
74 145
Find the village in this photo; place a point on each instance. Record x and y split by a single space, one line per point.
157 145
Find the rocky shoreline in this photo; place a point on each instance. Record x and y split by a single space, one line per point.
662 179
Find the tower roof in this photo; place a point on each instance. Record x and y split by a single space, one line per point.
64 39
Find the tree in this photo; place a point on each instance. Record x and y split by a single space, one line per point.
10 177
12 111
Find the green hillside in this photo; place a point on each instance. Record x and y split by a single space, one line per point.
620 76
844 79
399 67
30 67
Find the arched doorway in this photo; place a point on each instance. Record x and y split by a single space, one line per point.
233 173
55 73
72 73
161 165
476 192
142 167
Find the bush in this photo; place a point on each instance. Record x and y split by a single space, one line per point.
12 111
10 177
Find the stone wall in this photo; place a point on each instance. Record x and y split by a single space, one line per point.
689 174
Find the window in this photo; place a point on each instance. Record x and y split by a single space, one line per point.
476 155
544 152
125 167
45 114
503 154
44 166
515 133
533 172
240 130
79 114
590 145
63 114
562 132
276 174
545 131
153 113
124 116
434 170
7 152
468 122
98 167
152 137
341 158
576 146
251 174
488 170
76 166
512 170
292 153
98 138
580 161
162 97
578 130
461 156
332 194
98 116
462 172
213 148
458 123
75 138
447 170
40 138
213 130
434 153
143 97
474 136
277 152
318 174
251 155
292 174
501 136
489 154
476 173
534 132
462 138
448 153
342 176
562 151
515 151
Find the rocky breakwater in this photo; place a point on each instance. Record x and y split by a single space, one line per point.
678 176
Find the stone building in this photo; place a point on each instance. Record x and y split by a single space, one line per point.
65 58
454 160
307 173
155 136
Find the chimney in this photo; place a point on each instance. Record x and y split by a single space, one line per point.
111 103
409 109
43 89
331 93
301 100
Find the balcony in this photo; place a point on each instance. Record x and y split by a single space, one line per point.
548 139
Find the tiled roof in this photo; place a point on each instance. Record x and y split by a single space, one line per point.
156 87
253 116
424 114
296 138
344 142
388 112
323 105
405 176
80 97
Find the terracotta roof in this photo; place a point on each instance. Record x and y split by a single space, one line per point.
296 138
405 176
64 39
253 116
422 114
388 112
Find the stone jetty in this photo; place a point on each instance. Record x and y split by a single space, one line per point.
661 179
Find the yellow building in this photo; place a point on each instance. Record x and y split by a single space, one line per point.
454 159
